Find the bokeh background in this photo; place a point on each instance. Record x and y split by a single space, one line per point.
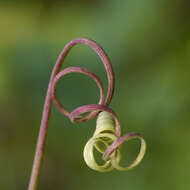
148 42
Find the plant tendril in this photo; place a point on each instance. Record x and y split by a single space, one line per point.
107 138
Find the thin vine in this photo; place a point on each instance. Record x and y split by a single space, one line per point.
107 137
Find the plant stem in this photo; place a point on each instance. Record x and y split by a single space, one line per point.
41 142
43 130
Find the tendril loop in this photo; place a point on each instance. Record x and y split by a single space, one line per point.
76 70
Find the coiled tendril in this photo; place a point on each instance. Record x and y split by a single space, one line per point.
106 138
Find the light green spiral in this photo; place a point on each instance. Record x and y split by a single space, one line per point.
102 138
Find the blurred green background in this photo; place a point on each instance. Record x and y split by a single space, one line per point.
148 43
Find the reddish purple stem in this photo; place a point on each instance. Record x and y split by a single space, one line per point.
116 144
97 107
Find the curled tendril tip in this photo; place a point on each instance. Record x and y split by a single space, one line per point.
107 138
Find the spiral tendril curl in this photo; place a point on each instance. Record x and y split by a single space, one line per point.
107 131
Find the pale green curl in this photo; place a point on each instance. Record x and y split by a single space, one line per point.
103 137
